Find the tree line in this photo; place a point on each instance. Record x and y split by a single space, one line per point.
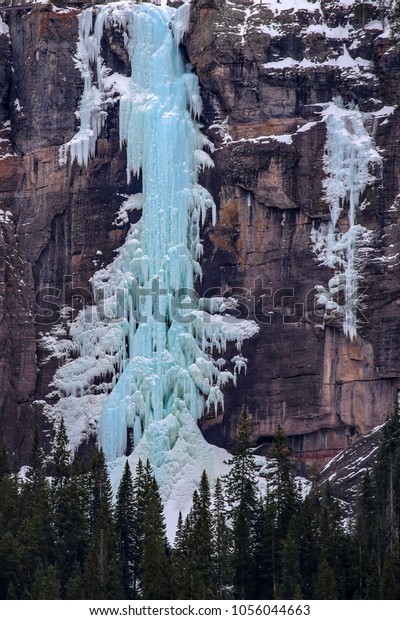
63 538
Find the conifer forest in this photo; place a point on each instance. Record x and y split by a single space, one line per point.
61 537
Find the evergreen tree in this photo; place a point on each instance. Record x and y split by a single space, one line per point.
325 587
143 485
11 567
71 523
291 579
240 482
155 582
184 576
222 545
365 538
240 485
35 473
201 539
308 543
335 544
387 482
36 533
389 588
282 487
61 459
75 590
101 575
46 585
265 577
125 529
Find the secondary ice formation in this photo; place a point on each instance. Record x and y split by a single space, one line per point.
349 156
148 357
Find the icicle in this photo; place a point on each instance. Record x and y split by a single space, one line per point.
349 154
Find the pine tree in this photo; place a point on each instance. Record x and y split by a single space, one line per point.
125 530
291 578
101 575
143 484
46 585
334 543
240 485
61 459
75 588
36 534
71 523
387 480
201 540
155 582
309 544
11 566
365 537
183 574
35 473
325 586
265 577
282 487
389 588
222 545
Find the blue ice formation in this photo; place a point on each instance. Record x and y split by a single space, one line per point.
148 331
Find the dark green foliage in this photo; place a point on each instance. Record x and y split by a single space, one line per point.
102 571
125 508
390 578
75 590
11 568
155 581
222 545
241 493
240 483
143 484
201 538
71 523
325 587
283 491
36 532
65 540
265 552
291 578
60 458
46 585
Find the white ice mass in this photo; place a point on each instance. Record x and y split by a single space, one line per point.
348 160
149 355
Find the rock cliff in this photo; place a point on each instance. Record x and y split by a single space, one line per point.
265 69
267 73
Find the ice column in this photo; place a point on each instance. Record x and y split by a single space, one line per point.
349 154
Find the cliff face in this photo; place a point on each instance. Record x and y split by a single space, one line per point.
264 72
265 68
56 221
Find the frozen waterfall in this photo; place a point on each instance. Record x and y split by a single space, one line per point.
349 156
148 331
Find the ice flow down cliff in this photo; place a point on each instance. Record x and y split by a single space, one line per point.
148 357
